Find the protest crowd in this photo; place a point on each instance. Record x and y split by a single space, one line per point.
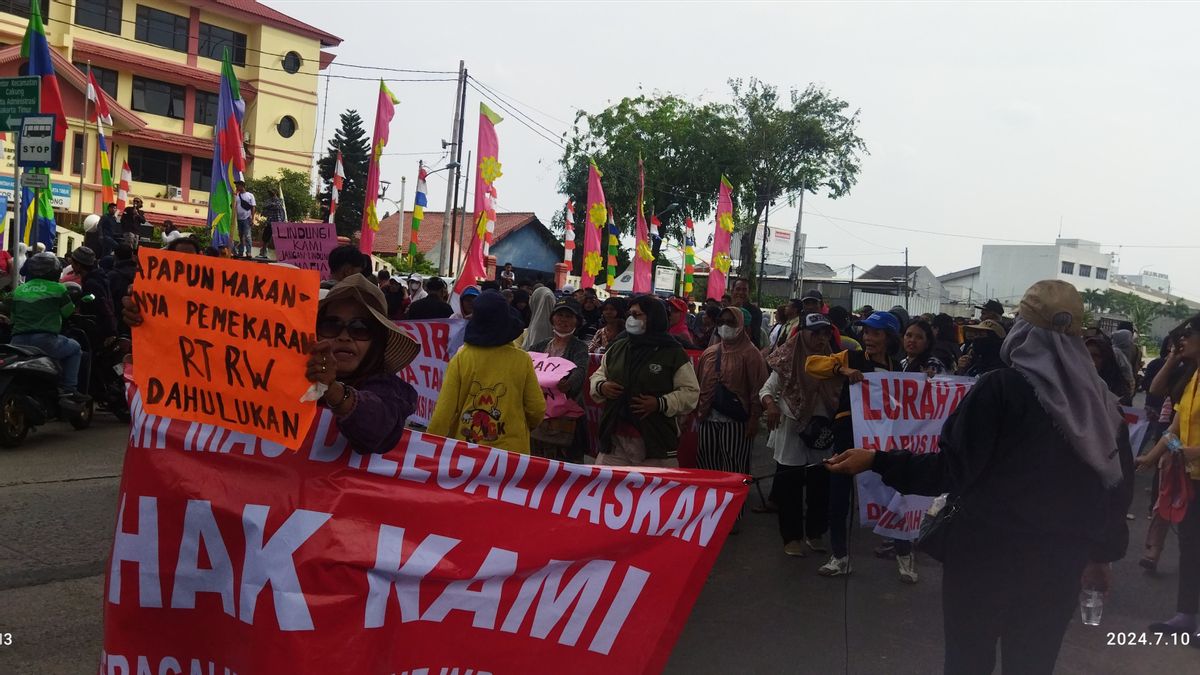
1035 460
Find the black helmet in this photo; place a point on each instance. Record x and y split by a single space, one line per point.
43 264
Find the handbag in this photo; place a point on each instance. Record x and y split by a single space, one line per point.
725 401
818 433
1174 491
932 536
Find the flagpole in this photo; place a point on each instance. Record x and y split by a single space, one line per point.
400 224
83 169
14 230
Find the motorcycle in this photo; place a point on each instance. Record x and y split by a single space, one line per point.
29 394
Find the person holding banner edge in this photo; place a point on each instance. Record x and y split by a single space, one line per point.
881 340
560 438
1037 463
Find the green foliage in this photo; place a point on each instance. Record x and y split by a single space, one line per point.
298 198
768 148
404 266
352 140
1140 311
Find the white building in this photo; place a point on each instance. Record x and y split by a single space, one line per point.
885 286
960 292
1151 280
1006 271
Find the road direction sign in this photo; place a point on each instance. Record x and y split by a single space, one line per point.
37 141
19 96
31 179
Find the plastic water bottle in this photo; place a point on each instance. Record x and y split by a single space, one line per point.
1091 607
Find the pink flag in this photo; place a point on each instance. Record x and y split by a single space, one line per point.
719 274
384 113
487 170
597 216
643 260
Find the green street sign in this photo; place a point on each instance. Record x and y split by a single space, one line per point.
19 96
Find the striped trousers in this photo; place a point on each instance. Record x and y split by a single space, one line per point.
723 446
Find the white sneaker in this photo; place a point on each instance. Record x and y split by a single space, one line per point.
795 548
836 567
907 566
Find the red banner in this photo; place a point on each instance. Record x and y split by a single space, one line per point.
232 554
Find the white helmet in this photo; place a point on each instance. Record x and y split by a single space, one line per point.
91 223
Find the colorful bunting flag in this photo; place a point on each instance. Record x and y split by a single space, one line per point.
718 276
419 204
99 102
385 110
228 162
100 116
123 189
487 170
569 236
592 226
612 250
643 258
106 177
37 220
689 256
335 189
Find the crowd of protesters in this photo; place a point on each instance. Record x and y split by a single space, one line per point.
1036 455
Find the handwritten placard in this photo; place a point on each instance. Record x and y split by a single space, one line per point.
305 245
225 342
551 369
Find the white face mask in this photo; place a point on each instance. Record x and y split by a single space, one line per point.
563 335
635 326
728 332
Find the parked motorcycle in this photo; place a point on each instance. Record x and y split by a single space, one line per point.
29 394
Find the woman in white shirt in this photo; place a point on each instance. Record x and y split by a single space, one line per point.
800 412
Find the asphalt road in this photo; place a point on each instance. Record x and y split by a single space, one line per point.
760 612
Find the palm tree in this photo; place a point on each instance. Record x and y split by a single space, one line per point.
1093 299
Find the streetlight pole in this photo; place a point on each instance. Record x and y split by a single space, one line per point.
454 144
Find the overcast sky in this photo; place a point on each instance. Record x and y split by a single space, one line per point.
988 120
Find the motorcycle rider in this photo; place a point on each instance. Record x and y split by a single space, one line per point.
38 309
95 283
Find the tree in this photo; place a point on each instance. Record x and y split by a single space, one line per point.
297 192
1177 309
767 152
1093 299
351 139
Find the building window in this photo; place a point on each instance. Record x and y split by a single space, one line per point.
162 28
214 40
102 15
286 126
107 79
1101 273
292 62
157 98
155 166
206 108
1068 267
78 153
201 173
1085 271
21 8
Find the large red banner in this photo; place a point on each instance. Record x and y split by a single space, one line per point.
232 554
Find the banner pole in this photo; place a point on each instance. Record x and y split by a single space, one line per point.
83 160
14 229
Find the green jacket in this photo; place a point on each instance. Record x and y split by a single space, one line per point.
667 375
39 306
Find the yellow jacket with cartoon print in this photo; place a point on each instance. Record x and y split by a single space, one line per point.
490 396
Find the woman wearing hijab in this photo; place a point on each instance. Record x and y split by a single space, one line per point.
732 372
982 352
880 338
1038 459
490 394
556 437
677 313
1104 358
647 383
541 305
1129 361
613 313
796 405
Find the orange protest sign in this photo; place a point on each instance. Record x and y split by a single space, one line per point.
225 342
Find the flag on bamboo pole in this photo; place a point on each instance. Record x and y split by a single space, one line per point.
123 188
100 115
419 204
593 225
569 236
643 257
335 188
487 170
718 275
385 110
36 49
38 210
613 245
228 162
689 256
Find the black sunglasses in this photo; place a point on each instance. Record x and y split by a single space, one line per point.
329 328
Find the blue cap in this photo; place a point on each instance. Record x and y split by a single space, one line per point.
470 292
882 321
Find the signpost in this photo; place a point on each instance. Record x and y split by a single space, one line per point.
22 96
36 147
35 180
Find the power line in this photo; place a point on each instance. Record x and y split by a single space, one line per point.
494 90
514 108
516 116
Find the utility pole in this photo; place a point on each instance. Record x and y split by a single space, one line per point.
455 141
460 224
462 116
400 221
798 253
906 279
852 307
762 256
